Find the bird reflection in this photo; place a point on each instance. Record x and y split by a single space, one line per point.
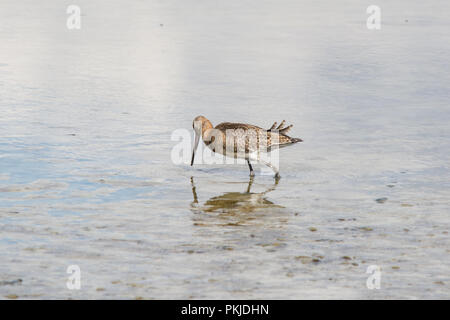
232 208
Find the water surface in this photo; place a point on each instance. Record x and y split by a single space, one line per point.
86 176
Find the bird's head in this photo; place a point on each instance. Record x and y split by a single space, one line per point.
200 125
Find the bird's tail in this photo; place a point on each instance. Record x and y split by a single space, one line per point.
295 140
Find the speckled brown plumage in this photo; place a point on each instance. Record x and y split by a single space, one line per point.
243 137
241 140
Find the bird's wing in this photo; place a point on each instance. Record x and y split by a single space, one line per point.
233 126
281 128
275 139
244 137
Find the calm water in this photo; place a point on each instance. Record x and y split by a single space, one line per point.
86 176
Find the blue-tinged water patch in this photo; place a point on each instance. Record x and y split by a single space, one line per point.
8 241
125 194
63 213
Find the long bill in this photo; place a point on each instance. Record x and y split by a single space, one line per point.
197 140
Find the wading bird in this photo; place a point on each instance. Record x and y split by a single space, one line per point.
240 140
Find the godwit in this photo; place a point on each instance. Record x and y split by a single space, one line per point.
240 140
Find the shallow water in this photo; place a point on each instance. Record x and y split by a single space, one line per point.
86 176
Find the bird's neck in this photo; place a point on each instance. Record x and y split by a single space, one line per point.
206 128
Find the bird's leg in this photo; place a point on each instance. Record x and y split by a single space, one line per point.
250 182
252 173
275 169
194 193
